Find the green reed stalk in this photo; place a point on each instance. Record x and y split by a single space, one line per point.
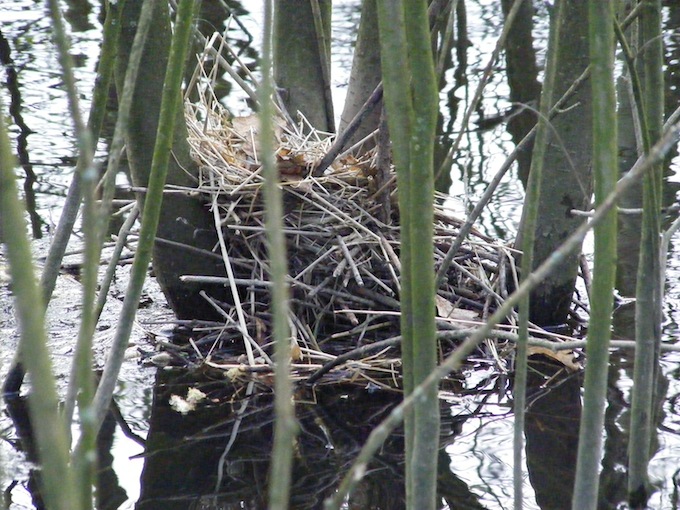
605 170
411 112
648 315
59 485
84 459
425 356
67 219
530 213
396 80
285 427
170 102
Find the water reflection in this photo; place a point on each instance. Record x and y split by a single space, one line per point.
183 452
551 429
218 455
109 494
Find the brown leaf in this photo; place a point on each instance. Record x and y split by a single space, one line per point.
565 358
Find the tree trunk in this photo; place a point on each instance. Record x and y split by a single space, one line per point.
568 182
185 222
365 75
300 58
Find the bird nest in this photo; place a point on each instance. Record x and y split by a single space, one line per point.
343 243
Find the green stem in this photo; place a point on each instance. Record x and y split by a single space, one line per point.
601 36
50 433
530 212
396 84
285 427
648 315
421 272
170 102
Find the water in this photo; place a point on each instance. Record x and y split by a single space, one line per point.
182 470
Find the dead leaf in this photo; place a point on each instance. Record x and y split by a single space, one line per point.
447 310
565 357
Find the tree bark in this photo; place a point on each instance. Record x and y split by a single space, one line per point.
568 181
365 75
299 58
185 222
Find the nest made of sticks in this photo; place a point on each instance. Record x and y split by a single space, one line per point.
343 255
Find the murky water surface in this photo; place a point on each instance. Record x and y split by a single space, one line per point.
182 470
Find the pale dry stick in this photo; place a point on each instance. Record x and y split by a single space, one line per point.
391 254
354 148
115 257
220 280
477 280
230 320
232 284
222 62
366 328
257 173
291 281
343 138
377 280
453 361
316 262
339 214
238 60
394 261
450 323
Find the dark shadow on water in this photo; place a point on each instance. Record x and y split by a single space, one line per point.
186 466
551 430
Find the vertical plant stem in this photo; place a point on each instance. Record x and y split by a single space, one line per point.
85 148
396 84
285 426
421 183
605 162
648 316
170 102
84 461
530 212
100 222
411 114
50 434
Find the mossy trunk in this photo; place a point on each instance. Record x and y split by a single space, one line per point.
299 60
365 75
185 222
568 181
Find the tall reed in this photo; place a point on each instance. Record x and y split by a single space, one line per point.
529 221
59 483
285 427
605 170
170 103
411 106
649 100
